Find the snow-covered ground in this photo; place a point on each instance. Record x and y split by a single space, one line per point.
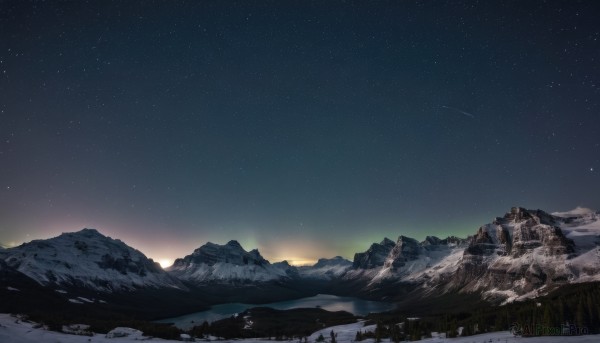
14 330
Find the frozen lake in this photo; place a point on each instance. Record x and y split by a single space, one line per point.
327 302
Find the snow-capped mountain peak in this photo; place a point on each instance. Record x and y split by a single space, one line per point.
514 256
375 256
326 268
225 263
519 254
232 253
527 250
87 259
405 260
334 261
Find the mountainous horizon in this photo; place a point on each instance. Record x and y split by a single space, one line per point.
522 254
162 158
519 256
578 210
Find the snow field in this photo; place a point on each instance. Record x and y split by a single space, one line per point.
15 330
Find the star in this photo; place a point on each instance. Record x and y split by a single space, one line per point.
221 132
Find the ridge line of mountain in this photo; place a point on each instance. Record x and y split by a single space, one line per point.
522 254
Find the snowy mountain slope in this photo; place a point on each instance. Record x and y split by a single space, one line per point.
325 269
87 259
582 226
523 254
225 263
407 260
288 269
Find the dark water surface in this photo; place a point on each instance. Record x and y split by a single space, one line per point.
327 302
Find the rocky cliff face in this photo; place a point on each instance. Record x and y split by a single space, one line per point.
375 256
406 260
516 256
406 249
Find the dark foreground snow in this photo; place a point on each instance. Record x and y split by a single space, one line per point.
15 330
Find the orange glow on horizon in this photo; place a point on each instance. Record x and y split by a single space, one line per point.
165 262
297 262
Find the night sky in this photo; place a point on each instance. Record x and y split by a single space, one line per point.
304 129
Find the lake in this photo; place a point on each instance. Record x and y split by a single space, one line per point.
327 302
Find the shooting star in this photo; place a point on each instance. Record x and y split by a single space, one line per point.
460 111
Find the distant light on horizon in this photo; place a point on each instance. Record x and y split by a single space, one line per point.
299 262
165 263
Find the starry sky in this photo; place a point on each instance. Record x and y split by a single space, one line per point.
305 129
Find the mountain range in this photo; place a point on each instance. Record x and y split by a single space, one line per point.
522 254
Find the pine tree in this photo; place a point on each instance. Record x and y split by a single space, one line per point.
415 332
453 329
378 332
580 314
561 311
502 321
589 302
547 319
395 334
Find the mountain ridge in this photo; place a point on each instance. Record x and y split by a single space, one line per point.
230 262
88 259
522 254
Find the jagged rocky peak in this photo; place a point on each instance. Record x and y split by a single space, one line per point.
431 240
490 238
228 263
519 232
522 230
454 241
434 243
510 255
283 264
408 248
375 256
530 235
335 261
232 252
520 214
393 256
